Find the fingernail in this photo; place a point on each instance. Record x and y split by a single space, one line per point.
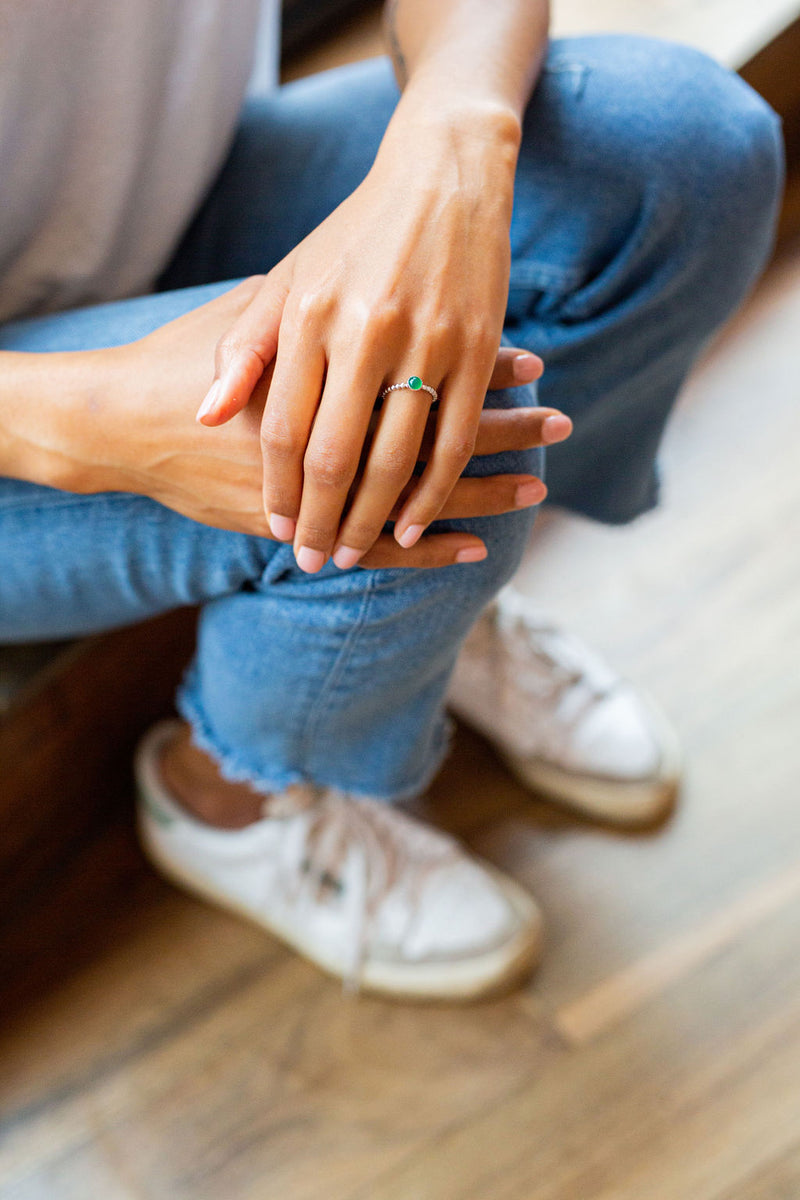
310 560
529 493
411 536
346 557
282 527
555 429
208 404
525 367
472 554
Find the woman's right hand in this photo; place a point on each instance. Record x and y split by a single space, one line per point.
145 439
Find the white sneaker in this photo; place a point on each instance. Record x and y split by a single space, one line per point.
363 890
563 721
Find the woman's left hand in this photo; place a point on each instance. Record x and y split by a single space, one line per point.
408 276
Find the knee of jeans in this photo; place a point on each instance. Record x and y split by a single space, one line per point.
704 151
676 121
707 138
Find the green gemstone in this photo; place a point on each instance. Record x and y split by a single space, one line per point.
415 383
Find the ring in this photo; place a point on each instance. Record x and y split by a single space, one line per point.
413 384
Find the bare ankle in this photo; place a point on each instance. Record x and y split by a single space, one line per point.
193 778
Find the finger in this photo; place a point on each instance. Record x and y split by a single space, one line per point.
389 467
513 367
435 550
333 455
286 425
453 446
488 496
245 351
501 429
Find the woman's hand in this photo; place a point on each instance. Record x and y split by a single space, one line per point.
408 276
133 430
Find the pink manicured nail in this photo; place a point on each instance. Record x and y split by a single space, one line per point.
346 557
529 493
555 429
282 527
411 536
310 560
208 404
525 368
472 554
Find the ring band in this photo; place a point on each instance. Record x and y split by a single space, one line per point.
413 384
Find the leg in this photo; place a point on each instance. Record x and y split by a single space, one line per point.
647 197
334 679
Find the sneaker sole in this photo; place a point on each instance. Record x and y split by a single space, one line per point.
623 803
494 973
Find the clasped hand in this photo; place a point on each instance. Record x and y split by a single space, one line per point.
398 281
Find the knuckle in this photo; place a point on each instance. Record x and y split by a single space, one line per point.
229 344
455 451
315 535
369 328
395 463
382 320
439 332
280 444
313 306
360 535
481 338
328 469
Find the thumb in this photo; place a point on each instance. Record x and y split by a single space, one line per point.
246 350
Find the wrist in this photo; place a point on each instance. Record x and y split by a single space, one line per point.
455 146
431 101
480 135
55 419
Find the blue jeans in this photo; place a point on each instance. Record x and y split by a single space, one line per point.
645 206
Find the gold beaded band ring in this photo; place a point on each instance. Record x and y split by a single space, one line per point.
412 384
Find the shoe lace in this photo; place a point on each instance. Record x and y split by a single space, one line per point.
398 854
548 663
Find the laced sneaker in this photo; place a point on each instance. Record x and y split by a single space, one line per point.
562 719
360 888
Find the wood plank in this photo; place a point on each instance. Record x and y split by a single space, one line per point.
732 31
622 994
66 764
679 1102
20 667
778 1179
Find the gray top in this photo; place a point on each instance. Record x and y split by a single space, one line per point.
114 118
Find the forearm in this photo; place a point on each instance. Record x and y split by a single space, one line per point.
53 427
473 50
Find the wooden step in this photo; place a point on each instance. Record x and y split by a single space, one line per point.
65 749
732 31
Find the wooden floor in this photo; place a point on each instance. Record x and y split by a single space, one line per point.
177 1054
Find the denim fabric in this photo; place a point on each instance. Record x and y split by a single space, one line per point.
645 206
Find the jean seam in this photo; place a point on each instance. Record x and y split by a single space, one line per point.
334 674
